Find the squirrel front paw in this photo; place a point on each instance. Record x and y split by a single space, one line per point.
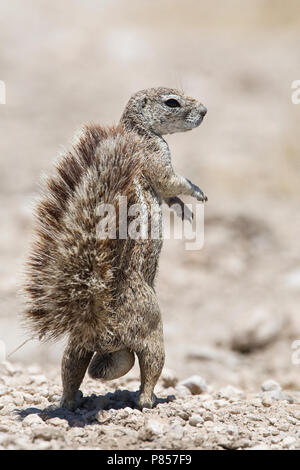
198 194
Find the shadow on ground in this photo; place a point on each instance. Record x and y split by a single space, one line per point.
91 409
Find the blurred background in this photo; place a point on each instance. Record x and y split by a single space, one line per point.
231 310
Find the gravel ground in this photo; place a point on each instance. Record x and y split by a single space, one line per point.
230 310
188 415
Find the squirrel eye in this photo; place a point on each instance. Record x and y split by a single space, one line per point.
172 103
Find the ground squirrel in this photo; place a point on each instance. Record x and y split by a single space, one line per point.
100 292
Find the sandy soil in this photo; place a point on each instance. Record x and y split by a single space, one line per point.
231 309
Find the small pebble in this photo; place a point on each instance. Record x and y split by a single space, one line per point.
169 378
151 430
58 422
103 416
270 385
288 442
196 420
231 392
32 420
176 432
195 384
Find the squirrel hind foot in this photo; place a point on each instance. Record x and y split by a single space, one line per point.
146 400
72 403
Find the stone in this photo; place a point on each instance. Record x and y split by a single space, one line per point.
152 429
22 443
58 422
270 385
134 421
176 432
276 395
208 416
185 415
260 329
230 392
196 420
181 391
8 368
32 420
47 433
288 442
7 409
168 378
4 428
266 400
103 416
18 398
283 427
39 379
295 414
195 384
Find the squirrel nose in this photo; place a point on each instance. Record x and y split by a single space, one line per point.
203 110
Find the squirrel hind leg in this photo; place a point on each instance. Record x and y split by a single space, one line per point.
112 365
74 366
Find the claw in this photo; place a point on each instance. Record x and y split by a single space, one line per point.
202 197
187 214
198 193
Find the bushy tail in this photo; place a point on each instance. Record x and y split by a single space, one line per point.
69 284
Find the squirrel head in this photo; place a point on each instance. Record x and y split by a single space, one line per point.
162 111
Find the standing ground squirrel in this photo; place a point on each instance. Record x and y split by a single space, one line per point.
100 291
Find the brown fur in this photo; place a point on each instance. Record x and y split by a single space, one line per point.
101 292
67 272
